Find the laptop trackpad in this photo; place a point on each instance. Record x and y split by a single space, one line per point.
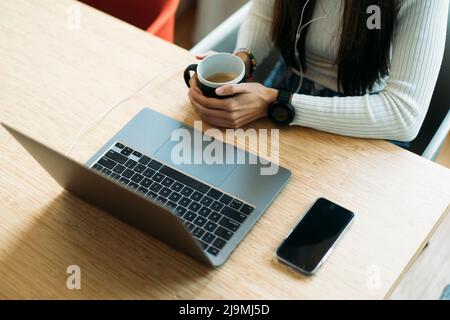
213 174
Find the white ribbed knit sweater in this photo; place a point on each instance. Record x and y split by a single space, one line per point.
398 110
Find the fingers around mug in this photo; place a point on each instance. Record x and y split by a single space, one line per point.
231 89
193 83
207 112
213 117
187 73
196 93
211 103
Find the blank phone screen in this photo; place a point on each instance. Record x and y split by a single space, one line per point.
313 237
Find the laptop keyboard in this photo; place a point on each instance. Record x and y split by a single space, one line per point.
211 215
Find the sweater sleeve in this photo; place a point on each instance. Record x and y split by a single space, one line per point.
397 112
255 32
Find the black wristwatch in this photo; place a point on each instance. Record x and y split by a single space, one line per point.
281 111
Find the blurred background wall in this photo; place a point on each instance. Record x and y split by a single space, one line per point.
196 18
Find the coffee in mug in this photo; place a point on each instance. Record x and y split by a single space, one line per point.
215 71
222 77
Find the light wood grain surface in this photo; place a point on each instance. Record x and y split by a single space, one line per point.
430 273
55 78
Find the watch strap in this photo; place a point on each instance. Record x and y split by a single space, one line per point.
284 97
283 101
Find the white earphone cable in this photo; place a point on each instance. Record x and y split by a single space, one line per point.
95 122
297 38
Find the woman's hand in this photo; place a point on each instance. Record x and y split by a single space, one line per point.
249 103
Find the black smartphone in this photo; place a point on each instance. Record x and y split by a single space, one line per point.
311 242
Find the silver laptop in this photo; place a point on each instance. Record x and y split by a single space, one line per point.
203 210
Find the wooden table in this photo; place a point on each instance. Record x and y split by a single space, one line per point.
56 76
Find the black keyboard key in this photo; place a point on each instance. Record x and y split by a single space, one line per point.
215 216
126 151
133 185
175 196
137 154
137 178
161 199
189 216
181 177
128 173
171 204
203 244
158 177
190 226
140 168
213 251
152 195
97 167
177 186
225 199
130 164
180 211
115 176
247 209
106 172
210 226
233 214
167 182
204 212
215 194
187 191
144 160
206 201
198 232
107 163
149 173
155 187
196 196
200 221
216 206
120 158
219 243
208 237
146 182
119 145
124 181
185 202
229 224
223 233
195 206
143 190
119 169
165 192
155 164
236 204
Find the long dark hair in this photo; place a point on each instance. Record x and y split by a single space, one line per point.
363 56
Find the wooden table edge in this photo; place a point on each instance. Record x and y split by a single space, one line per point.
417 253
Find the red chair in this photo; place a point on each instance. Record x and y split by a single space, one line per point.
155 16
